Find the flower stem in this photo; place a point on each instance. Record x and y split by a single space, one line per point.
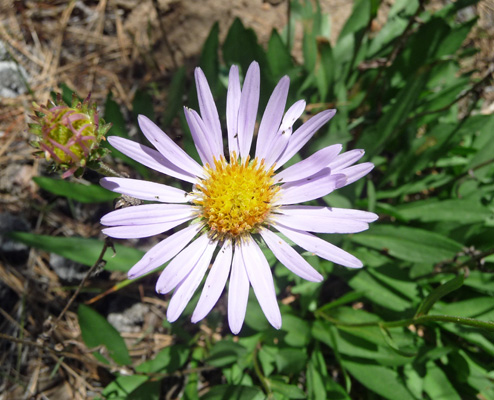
105 170
260 375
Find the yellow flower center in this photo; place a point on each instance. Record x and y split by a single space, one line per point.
237 197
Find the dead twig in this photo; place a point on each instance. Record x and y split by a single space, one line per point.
99 261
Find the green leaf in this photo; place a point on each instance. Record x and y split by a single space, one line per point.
287 390
409 244
174 97
114 116
482 282
379 292
324 69
478 377
279 58
123 385
437 385
240 47
388 337
389 32
439 293
82 250
147 391
413 380
319 385
349 297
387 127
423 47
67 94
266 357
84 193
168 360
297 331
472 335
485 145
406 8
358 19
317 375
209 60
225 353
190 391
381 380
309 49
357 341
290 361
254 316
238 392
97 331
441 97
470 308
432 210
143 104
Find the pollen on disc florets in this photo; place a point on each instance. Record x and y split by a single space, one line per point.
236 197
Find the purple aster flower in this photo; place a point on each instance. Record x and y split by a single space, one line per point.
236 201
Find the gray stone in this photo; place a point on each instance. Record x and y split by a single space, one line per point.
13 79
67 270
4 55
130 319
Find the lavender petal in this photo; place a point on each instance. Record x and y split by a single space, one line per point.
182 264
198 131
232 108
247 114
150 158
145 190
303 134
208 109
355 172
188 286
142 231
272 116
148 214
164 251
311 188
238 292
168 148
215 282
310 166
280 140
328 212
346 159
261 279
287 255
320 247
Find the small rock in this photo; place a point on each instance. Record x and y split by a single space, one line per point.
130 319
12 79
466 14
67 270
4 55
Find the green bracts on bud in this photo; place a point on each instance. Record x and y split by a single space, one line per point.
69 135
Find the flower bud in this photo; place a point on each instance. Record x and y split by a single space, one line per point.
69 135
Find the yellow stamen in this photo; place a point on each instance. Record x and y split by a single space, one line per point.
236 197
